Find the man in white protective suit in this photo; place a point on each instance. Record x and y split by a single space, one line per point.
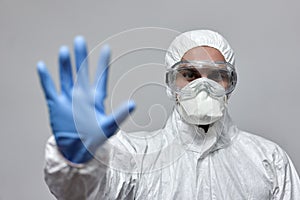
199 154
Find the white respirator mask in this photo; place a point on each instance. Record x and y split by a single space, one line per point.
201 102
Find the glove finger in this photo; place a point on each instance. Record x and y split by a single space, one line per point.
101 78
117 117
80 51
65 69
46 81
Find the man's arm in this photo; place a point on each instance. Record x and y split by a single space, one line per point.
80 126
288 183
92 180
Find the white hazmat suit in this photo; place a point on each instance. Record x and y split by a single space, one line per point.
180 161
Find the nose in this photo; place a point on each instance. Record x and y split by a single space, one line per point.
203 75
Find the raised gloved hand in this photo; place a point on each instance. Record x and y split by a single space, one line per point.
77 114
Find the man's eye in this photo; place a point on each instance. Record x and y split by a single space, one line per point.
190 75
218 76
214 75
225 76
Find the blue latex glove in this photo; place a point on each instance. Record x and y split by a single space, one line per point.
77 114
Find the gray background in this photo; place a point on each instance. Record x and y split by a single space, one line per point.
264 35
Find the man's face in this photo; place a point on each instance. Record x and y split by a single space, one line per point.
202 53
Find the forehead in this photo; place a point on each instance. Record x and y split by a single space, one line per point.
203 53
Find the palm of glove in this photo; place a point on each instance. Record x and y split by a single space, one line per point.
77 115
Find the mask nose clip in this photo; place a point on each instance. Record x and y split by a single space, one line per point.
211 88
203 86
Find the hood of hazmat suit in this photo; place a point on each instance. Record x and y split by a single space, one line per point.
181 160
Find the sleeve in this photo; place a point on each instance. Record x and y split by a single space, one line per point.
288 183
92 180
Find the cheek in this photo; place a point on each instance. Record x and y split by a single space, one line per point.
224 84
180 82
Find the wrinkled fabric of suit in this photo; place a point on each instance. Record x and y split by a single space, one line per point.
180 161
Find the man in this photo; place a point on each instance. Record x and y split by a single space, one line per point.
199 154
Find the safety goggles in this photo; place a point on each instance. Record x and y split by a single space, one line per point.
184 72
